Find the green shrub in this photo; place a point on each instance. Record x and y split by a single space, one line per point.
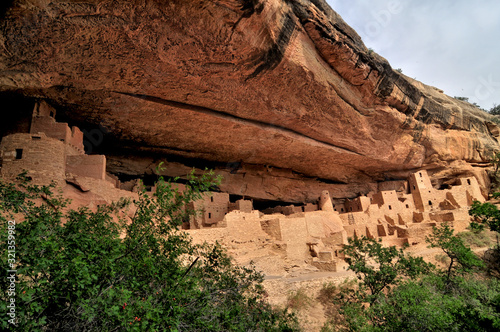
459 298
82 270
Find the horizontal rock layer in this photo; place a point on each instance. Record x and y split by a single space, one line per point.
276 84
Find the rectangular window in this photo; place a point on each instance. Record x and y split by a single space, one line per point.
19 153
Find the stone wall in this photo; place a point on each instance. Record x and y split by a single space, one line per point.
93 166
211 209
44 158
422 191
43 121
242 205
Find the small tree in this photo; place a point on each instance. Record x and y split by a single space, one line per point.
485 214
462 259
82 270
495 110
489 215
379 267
495 160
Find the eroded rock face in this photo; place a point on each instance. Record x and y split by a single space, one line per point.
271 84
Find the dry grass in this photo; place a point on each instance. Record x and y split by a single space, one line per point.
480 239
328 297
299 300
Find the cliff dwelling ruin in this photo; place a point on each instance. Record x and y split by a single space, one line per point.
311 233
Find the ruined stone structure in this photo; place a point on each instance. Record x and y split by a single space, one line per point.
49 152
54 152
316 234
212 208
310 233
43 157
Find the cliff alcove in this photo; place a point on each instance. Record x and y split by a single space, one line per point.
281 97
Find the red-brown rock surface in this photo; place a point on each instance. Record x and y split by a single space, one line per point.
282 95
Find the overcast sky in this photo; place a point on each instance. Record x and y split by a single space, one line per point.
450 44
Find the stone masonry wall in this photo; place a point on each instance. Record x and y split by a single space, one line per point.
44 158
93 166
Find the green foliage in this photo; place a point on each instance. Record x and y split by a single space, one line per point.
462 259
337 300
442 258
399 70
429 305
495 110
456 299
462 98
379 267
99 270
485 214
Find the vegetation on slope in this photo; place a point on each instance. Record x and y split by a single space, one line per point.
397 292
101 270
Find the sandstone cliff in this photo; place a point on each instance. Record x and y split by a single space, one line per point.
281 96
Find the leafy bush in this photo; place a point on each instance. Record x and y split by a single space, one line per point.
459 298
99 270
333 298
495 110
380 267
462 258
485 214
429 304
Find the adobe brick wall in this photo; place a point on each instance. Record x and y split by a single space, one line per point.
92 166
294 233
244 205
358 204
43 109
473 188
105 189
325 202
43 121
43 157
76 138
211 209
309 207
272 227
51 128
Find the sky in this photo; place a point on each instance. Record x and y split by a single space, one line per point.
453 45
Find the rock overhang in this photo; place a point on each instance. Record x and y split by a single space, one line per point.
285 84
